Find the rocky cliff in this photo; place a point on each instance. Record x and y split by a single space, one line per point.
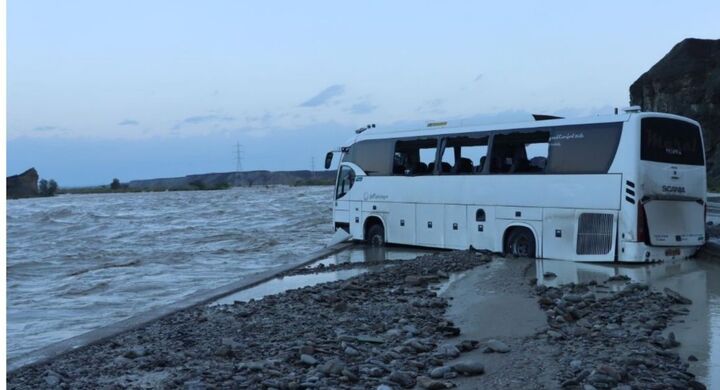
687 82
229 179
24 185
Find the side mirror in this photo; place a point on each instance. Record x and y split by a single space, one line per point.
328 160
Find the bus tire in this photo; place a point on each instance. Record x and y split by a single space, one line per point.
520 242
376 235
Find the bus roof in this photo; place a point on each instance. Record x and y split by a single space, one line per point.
459 127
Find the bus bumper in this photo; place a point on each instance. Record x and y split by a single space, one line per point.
640 252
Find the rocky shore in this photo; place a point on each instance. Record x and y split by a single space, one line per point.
390 330
615 340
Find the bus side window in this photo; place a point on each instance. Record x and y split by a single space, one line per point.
520 153
345 182
464 155
416 157
480 215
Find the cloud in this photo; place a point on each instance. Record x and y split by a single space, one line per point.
362 108
203 119
433 106
48 128
324 96
128 122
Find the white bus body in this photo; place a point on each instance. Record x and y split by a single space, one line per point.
627 187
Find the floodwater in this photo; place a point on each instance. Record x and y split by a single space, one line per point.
78 262
698 280
354 254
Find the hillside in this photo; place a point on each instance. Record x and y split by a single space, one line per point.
230 179
686 81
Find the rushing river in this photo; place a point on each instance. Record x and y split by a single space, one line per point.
77 262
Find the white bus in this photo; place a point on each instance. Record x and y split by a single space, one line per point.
625 187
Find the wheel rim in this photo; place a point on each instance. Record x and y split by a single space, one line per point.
521 247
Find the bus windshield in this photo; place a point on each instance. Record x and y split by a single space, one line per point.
671 141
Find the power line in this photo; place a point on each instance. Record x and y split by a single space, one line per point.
238 163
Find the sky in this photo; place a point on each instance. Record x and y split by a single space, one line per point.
142 89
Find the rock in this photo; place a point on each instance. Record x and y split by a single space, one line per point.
384 387
584 323
350 351
24 185
575 298
448 351
224 351
410 329
332 366
467 345
555 335
692 358
376 372
695 385
135 352
686 82
195 384
369 339
439 372
432 384
252 365
403 378
52 380
496 346
576 364
413 280
589 387
309 360
549 275
676 297
469 368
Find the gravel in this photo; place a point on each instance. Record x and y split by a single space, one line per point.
615 340
390 331
384 330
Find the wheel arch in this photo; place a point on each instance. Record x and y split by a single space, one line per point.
522 225
371 220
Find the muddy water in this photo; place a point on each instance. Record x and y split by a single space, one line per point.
698 280
354 254
78 262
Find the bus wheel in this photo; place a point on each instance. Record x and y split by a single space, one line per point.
521 243
376 235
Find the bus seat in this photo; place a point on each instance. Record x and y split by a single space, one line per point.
520 165
538 163
431 168
421 168
465 166
446 167
480 166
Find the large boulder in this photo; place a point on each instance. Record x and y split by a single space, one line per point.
24 185
687 82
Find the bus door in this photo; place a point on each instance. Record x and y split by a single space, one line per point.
345 181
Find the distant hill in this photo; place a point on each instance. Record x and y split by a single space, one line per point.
687 82
231 179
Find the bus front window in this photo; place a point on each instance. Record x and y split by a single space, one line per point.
346 179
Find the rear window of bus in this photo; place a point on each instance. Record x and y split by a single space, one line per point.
670 141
